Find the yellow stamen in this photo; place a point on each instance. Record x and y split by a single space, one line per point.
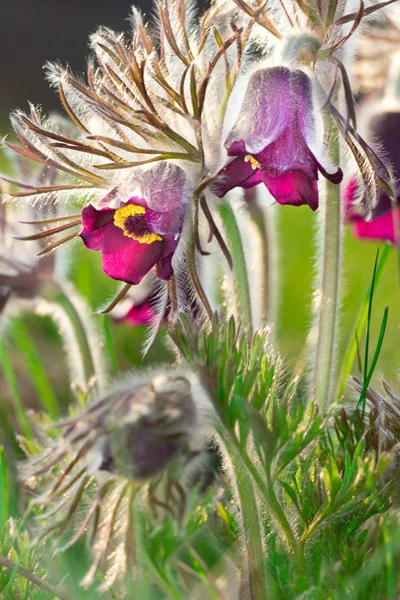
254 162
130 210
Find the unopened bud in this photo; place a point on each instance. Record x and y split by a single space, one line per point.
153 428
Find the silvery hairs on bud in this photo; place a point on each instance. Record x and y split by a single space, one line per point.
99 462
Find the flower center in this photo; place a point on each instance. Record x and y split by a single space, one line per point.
132 220
254 162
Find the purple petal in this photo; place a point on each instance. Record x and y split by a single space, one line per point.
141 314
292 187
126 259
236 173
266 109
165 223
382 228
165 187
164 268
289 151
335 177
94 225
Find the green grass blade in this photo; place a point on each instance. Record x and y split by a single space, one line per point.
368 377
10 377
352 347
37 370
369 315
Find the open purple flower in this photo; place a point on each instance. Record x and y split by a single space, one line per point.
385 221
274 140
141 233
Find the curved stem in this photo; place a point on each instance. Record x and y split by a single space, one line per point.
191 259
51 589
64 301
325 363
242 290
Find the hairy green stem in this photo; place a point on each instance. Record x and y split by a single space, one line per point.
268 497
242 290
328 306
51 589
254 585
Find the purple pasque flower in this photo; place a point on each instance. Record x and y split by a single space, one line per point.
142 232
274 140
139 307
385 221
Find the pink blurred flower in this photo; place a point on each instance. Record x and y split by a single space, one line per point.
139 307
385 127
274 140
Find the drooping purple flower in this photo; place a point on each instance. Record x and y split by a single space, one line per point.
274 140
141 233
385 222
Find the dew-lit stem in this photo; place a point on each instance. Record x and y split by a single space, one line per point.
328 305
242 291
11 565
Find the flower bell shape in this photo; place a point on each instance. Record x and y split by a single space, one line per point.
385 222
274 140
142 232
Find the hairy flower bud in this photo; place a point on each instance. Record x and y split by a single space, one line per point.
92 472
155 429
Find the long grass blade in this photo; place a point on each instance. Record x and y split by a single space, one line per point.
44 390
11 379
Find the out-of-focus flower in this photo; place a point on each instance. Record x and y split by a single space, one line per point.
384 127
142 232
274 140
140 303
22 275
149 425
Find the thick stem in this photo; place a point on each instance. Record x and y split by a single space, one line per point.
254 584
328 306
275 509
242 291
